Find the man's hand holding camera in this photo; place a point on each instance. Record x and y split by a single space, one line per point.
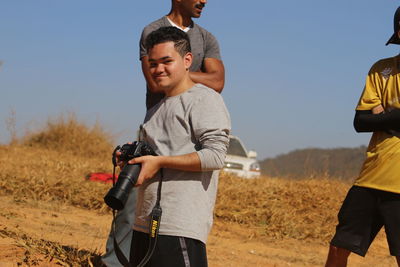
150 166
148 170
131 171
120 163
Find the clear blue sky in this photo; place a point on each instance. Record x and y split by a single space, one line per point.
294 69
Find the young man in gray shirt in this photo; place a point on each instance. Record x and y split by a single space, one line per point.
207 68
189 130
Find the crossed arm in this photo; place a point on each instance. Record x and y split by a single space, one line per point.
377 120
213 74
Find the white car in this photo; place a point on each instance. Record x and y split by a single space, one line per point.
240 162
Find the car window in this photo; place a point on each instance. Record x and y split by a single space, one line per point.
235 148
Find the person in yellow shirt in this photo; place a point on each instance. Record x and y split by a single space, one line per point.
374 199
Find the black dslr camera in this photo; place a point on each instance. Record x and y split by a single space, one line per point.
118 194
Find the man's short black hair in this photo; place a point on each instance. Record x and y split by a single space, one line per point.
169 34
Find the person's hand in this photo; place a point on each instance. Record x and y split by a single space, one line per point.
150 166
378 109
120 163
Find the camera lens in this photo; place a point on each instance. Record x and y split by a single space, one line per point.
117 196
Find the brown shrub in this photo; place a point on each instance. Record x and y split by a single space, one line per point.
67 134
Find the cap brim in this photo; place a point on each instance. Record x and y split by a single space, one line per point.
394 39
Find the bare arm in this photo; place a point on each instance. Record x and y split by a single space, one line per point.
212 75
152 164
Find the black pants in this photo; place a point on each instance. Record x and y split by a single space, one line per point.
170 251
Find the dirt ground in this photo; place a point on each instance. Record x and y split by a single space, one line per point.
228 245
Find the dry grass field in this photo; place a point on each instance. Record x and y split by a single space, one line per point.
50 215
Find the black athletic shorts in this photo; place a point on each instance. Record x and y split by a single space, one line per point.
170 251
362 215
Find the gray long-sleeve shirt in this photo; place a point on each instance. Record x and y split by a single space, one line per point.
194 121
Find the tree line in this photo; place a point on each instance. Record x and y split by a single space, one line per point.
342 163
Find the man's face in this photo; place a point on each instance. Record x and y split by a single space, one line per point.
167 67
193 8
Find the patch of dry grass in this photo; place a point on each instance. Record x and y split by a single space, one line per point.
279 208
48 175
51 165
54 252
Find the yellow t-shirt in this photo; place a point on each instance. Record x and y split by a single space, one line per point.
381 169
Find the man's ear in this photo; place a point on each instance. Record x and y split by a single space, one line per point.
187 60
398 34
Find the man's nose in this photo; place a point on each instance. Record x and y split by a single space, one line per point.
160 68
203 2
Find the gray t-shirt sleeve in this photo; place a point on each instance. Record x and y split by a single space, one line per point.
212 47
147 30
211 126
142 50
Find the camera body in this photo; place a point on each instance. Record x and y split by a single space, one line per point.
135 150
118 194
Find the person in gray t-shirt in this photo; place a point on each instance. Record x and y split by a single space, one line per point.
207 67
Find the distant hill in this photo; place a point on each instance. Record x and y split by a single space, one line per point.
344 163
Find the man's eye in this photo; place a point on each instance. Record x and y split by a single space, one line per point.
153 65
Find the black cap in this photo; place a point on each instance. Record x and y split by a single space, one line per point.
396 25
